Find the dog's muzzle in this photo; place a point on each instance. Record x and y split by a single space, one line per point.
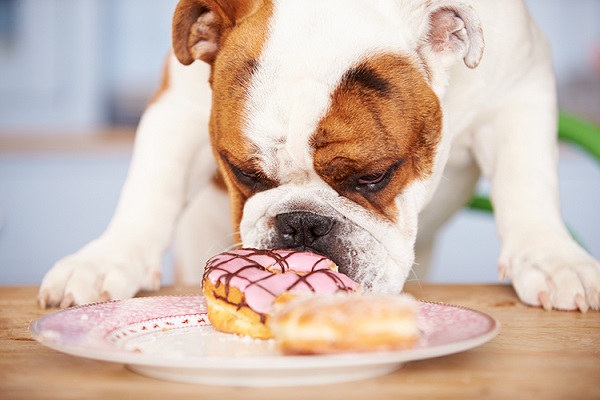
320 220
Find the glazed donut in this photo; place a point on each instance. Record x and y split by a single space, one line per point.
241 286
324 324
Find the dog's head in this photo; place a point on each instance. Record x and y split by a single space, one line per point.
326 120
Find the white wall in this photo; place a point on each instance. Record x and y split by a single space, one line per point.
65 61
50 66
573 30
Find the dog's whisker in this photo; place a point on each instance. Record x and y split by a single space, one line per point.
218 246
415 279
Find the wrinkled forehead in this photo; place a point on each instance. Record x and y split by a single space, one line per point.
304 51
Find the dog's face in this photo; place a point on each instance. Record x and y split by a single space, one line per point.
326 121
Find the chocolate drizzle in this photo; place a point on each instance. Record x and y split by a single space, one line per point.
277 264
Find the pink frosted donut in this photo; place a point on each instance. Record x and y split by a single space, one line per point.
242 285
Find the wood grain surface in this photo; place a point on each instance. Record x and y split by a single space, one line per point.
537 355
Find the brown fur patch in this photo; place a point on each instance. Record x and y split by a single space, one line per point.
200 26
230 78
384 122
218 181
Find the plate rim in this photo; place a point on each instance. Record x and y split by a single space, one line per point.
262 363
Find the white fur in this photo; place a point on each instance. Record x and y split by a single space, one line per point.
303 60
502 115
499 118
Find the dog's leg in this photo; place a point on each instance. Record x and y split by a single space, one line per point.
127 257
455 189
518 152
204 230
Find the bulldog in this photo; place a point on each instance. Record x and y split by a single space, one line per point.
345 128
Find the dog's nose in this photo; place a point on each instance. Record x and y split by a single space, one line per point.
300 228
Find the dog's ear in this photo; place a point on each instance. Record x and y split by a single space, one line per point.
199 26
454 30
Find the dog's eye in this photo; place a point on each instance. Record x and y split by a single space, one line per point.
253 180
374 182
371 179
248 178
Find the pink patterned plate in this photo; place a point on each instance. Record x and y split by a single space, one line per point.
170 338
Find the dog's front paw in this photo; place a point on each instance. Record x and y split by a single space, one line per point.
555 273
98 272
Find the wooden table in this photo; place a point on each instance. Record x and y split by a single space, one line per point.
537 355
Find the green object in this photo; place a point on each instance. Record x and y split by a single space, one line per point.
480 203
572 130
581 133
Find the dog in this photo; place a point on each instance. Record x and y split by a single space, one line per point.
343 127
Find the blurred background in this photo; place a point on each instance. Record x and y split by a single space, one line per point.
75 75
